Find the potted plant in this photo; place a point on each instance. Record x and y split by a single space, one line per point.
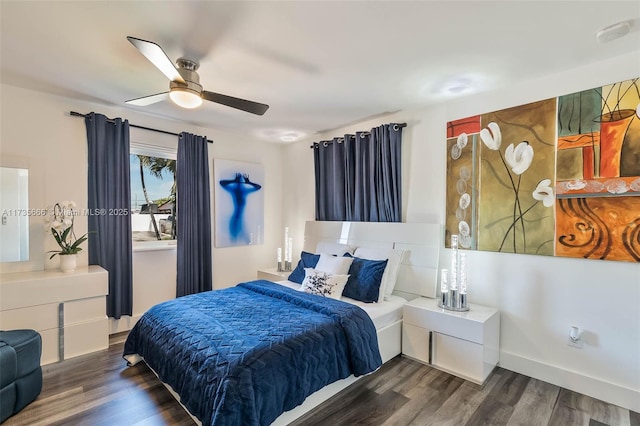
59 222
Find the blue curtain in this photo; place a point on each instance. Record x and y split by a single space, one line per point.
358 177
193 216
330 178
109 201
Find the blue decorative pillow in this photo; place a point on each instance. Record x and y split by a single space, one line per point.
307 260
364 281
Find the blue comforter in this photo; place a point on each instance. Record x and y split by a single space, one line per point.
244 355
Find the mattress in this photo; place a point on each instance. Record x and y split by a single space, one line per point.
382 314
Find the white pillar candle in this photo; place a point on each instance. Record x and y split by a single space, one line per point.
286 244
453 277
290 245
444 281
279 254
463 273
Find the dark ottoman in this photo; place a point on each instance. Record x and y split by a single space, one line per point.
20 371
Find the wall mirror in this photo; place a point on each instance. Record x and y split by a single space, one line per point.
14 208
21 235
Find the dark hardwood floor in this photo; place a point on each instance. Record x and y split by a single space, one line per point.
99 389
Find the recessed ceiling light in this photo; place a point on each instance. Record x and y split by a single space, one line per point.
281 135
456 86
613 32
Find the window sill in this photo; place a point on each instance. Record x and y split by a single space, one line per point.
155 246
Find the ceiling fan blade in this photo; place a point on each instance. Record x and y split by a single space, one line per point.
237 103
156 55
148 100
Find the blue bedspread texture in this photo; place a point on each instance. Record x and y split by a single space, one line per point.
246 354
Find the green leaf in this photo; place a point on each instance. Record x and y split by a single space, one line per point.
79 241
65 234
56 235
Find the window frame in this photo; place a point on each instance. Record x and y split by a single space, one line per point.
149 150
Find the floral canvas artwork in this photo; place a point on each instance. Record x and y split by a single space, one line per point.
555 177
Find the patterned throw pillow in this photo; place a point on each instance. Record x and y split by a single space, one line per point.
323 283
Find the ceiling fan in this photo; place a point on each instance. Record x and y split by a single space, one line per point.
185 89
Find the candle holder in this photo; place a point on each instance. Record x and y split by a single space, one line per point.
453 287
280 267
288 251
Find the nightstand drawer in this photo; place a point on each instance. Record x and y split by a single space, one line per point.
453 325
455 356
459 357
415 342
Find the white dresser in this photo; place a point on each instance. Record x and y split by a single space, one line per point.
465 344
67 309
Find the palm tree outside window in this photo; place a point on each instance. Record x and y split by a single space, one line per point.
153 198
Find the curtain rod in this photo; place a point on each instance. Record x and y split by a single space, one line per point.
396 125
77 114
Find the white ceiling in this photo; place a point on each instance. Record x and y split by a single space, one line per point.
319 65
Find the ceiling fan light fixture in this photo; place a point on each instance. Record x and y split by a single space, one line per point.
185 97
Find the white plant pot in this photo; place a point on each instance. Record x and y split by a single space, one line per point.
68 262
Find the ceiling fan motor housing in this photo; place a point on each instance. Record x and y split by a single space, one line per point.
187 69
190 86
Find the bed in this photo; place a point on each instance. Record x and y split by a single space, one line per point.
285 351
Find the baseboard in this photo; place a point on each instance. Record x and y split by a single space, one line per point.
125 323
591 386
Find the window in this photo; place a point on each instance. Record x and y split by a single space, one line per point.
153 194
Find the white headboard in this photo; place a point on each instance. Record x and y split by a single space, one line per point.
418 274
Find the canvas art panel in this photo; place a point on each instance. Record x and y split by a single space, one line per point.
555 177
239 203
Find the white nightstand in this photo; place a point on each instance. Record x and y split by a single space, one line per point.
272 274
465 344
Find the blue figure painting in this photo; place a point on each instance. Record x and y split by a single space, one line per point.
238 203
239 188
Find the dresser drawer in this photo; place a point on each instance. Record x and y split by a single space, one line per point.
85 310
39 318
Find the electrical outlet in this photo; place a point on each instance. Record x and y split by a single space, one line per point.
575 337
578 343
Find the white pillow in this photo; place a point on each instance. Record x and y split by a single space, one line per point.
394 258
323 283
334 248
333 264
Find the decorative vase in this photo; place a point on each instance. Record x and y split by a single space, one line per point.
68 262
613 128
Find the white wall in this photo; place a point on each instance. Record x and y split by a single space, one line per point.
36 126
539 297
